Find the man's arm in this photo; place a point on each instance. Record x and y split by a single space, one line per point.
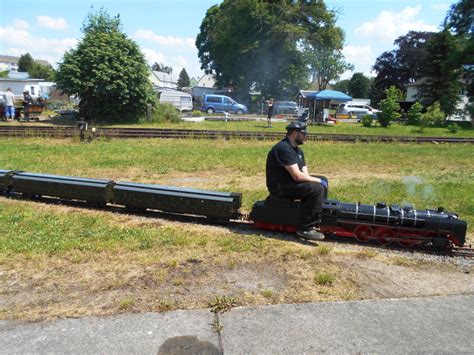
300 176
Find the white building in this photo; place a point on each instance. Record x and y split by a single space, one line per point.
161 79
207 81
20 82
461 113
10 63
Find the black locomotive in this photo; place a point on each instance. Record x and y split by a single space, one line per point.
385 224
405 226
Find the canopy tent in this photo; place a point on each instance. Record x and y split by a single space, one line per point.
329 95
323 98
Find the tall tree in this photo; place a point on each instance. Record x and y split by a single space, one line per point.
441 73
25 62
460 17
256 44
460 20
323 43
402 65
107 71
327 65
359 85
183 80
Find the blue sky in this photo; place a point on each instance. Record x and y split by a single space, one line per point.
166 30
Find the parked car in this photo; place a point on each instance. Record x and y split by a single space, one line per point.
356 110
222 103
181 101
290 107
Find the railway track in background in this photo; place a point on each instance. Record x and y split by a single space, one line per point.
129 133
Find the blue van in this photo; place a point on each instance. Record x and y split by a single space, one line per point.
221 103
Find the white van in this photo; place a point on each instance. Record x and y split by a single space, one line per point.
181 101
356 109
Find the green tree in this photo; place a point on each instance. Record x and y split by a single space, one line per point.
460 17
359 86
460 20
40 71
161 67
323 42
25 62
342 86
390 107
414 114
442 73
257 44
402 65
183 79
107 71
327 65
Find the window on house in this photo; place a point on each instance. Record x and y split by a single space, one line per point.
32 90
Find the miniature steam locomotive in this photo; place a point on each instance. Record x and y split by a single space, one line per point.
384 224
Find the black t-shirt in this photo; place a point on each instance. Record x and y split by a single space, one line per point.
282 154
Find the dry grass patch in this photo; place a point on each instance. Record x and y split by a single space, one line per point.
188 265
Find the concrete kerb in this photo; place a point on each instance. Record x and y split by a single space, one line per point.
440 324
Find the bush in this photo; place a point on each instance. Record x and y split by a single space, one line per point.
433 116
197 113
453 128
390 107
164 113
414 114
367 120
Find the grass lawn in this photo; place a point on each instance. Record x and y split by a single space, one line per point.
69 261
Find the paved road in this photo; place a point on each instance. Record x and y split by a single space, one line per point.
430 325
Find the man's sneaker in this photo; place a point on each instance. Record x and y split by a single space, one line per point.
310 234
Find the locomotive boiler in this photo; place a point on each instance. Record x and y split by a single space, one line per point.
405 225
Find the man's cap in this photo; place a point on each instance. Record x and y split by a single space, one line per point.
298 126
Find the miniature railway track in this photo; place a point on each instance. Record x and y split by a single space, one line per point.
463 251
128 133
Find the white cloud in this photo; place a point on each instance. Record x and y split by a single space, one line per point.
152 56
361 56
20 24
17 42
388 25
51 23
164 40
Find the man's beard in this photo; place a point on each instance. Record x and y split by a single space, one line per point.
299 141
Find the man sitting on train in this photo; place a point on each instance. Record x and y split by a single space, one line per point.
287 176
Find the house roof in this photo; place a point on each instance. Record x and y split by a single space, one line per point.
12 59
165 77
21 80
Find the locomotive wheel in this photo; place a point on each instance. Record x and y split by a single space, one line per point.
384 236
363 233
407 243
425 244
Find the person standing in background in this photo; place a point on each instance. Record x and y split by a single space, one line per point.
27 101
9 98
270 104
